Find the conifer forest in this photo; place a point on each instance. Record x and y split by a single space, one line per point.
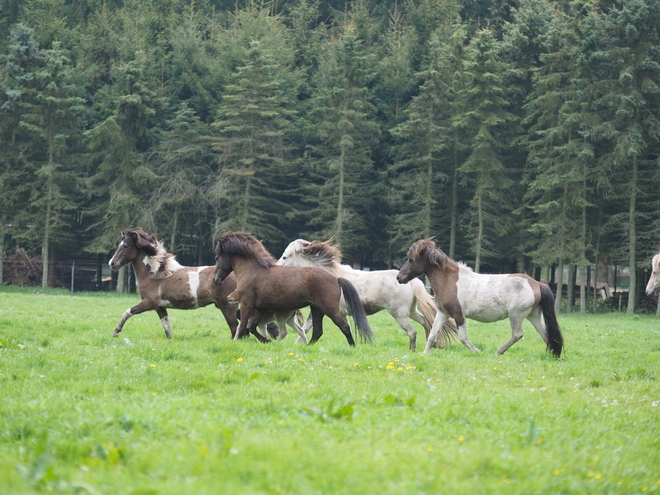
522 135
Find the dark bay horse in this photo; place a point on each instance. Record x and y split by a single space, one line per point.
461 293
163 283
263 287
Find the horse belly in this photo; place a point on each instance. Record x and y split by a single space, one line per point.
482 300
179 291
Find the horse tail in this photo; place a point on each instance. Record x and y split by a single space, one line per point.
355 308
426 305
555 338
424 301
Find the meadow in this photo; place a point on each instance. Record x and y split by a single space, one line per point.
82 412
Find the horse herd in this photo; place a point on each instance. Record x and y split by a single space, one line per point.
253 289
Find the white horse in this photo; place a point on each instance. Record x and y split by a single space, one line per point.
377 289
653 287
461 293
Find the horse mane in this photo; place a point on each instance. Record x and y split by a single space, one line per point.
246 246
426 248
162 264
324 253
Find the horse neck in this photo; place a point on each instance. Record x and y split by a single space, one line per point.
441 276
141 270
243 267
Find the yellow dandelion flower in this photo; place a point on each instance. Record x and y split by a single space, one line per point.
430 449
153 365
291 354
461 438
239 360
599 476
154 393
356 364
399 368
591 475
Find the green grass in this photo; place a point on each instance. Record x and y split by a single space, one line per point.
81 412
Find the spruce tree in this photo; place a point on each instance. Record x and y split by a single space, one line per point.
488 128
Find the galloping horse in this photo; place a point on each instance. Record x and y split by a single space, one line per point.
461 293
378 289
164 283
263 287
653 287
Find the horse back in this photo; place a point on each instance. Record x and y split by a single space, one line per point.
289 287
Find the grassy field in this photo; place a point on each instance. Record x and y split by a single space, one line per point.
81 412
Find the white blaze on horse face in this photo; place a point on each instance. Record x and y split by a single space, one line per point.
121 245
654 280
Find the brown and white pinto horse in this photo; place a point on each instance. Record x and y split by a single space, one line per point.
263 287
163 283
460 293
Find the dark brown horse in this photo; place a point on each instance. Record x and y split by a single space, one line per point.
264 287
164 283
460 293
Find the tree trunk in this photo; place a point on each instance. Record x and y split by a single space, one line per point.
454 207
122 279
429 198
340 201
583 289
2 250
480 230
560 285
45 246
570 293
632 238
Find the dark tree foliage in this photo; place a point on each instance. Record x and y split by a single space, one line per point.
521 134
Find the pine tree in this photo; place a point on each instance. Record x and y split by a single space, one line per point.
344 133
43 93
254 119
626 96
428 156
487 126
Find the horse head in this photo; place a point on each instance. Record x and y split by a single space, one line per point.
133 241
316 253
419 255
292 251
653 287
242 245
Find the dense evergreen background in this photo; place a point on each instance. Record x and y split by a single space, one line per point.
521 134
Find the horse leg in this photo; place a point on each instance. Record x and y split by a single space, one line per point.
241 330
439 321
294 324
404 323
143 306
419 318
317 323
282 318
516 333
536 319
253 322
165 321
463 336
306 328
343 325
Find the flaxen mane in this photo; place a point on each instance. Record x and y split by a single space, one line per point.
162 264
324 253
246 246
